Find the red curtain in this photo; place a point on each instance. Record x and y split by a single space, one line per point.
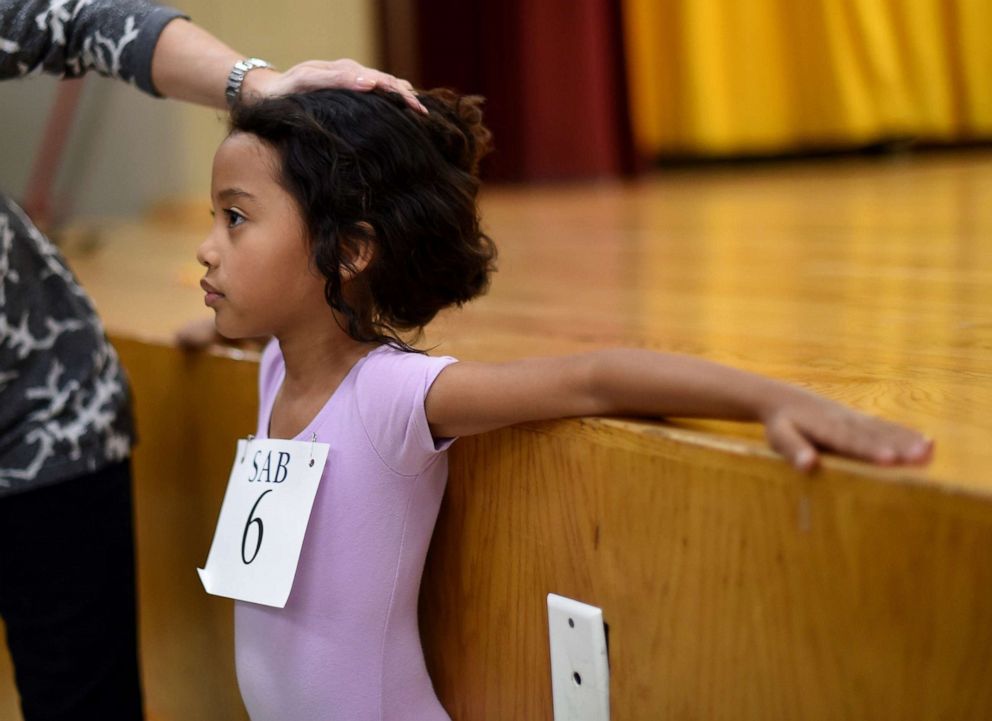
553 75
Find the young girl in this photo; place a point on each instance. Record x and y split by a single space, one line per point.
344 221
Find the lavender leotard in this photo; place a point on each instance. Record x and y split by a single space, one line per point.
347 645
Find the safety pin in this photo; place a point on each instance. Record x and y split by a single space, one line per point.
248 441
313 440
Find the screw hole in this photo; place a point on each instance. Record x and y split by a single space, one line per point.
576 678
311 463
571 623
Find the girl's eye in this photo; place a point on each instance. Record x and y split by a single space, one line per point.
234 218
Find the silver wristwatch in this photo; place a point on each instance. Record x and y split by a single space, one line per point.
237 77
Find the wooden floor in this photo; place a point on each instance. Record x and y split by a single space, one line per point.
868 281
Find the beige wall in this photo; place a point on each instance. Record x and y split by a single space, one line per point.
129 150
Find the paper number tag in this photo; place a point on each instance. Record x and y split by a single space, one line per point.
263 519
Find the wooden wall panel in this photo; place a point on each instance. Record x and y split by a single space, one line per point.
733 588
190 408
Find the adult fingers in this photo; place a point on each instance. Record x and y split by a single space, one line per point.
393 84
345 73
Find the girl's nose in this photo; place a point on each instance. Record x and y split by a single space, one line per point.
205 254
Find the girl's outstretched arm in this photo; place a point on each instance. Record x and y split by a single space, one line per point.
469 398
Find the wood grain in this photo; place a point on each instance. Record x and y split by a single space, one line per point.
734 587
870 282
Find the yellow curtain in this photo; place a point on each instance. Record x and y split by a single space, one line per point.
716 77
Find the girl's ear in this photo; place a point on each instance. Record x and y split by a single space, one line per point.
358 251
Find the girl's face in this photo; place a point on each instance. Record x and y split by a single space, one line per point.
259 278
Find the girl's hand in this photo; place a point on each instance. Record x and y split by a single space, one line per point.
799 427
317 74
198 334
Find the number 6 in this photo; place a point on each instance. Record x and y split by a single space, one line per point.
261 528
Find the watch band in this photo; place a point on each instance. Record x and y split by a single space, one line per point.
237 77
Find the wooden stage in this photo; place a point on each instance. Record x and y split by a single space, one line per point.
734 587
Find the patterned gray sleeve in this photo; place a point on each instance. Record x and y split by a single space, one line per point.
115 38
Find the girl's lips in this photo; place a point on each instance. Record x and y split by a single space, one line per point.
212 294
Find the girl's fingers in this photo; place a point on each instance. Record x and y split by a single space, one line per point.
921 451
887 443
787 440
196 334
904 445
852 435
866 437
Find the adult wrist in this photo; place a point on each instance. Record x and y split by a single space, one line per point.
258 83
236 79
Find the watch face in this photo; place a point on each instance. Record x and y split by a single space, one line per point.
237 76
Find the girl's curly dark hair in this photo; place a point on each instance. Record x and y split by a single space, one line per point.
370 173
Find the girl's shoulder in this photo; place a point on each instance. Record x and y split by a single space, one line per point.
389 372
392 360
390 376
390 389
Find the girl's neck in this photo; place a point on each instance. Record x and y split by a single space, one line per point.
310 359
316 363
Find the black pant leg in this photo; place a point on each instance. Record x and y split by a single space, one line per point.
67 596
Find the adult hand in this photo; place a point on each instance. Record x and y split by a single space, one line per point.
191 64
316 74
